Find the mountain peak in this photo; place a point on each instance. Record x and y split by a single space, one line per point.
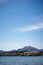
29 49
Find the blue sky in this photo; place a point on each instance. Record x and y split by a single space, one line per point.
21 24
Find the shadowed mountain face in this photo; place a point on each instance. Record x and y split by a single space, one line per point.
1 51
25 49
41 50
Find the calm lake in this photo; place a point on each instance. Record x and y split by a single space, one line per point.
21 60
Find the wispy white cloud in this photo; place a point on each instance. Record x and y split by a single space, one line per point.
30 27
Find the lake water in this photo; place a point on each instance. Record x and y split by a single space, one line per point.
21 60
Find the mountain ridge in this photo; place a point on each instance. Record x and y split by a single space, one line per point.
25 49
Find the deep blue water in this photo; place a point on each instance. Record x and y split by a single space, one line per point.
19 60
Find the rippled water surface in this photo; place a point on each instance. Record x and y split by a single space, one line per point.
19 60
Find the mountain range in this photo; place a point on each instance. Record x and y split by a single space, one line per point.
24 49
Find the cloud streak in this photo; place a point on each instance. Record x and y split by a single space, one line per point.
30 28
